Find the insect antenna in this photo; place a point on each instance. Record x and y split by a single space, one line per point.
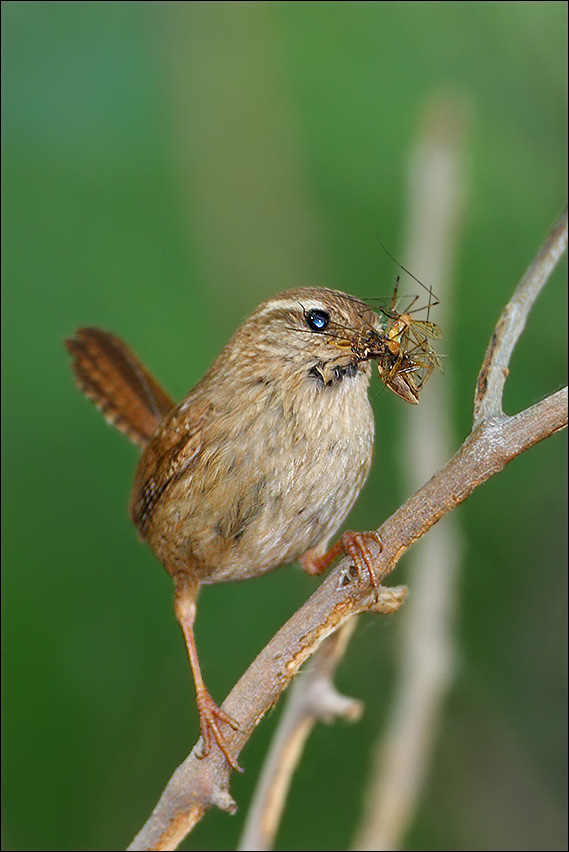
429 290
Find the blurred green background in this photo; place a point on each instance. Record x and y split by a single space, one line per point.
166 167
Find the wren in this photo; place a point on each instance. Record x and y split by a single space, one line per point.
261 462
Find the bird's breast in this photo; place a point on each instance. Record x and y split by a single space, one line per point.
273 482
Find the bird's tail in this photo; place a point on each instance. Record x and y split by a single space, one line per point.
122 389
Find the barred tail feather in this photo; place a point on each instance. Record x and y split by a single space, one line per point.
114 379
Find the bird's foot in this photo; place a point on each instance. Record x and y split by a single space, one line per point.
210 717
356 546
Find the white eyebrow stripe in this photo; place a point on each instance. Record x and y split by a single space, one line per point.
287 304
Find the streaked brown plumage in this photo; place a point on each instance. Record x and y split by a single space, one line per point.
262 461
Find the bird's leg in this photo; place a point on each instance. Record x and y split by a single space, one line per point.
210 714
354 545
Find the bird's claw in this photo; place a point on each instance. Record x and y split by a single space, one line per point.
210 717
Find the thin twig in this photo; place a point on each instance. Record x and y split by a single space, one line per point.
312 698
200 783
494 370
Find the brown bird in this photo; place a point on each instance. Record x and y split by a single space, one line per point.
264 458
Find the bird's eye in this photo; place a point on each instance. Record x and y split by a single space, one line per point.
317 320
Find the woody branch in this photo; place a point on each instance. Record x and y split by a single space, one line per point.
496 439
